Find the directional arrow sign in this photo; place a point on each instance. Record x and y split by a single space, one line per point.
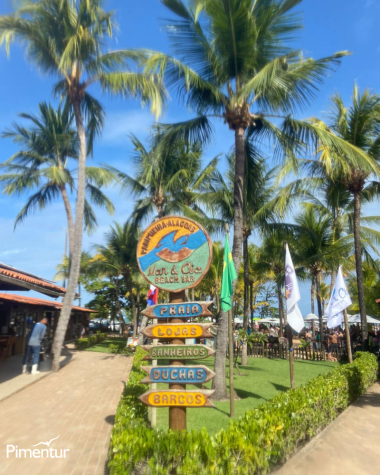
177 352
178 330
178 310
177 374
177 398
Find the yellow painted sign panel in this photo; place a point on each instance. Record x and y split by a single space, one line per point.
177 398
178 330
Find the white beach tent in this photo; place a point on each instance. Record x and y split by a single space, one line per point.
311 317
356 319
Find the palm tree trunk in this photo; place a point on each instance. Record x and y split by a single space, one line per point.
251 302
244 357
77 241
134 313
359 266
238 197
79 292
69 215
333 279
217 297
137 308
118 306
280 308
320 310
144 322
219 381
312 291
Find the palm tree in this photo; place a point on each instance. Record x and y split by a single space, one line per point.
86 271
319 251
167 180
212 282
121 242
43 163
260 207
106 263
371 279
67 39
356 128
234 63
270 262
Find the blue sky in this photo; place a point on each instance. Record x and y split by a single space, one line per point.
37 244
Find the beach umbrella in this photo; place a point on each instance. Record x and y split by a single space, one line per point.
311 317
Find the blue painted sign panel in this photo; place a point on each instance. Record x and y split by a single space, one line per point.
178 374
178 310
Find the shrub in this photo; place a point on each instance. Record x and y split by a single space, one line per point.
262 438
114 348
82 344
91 340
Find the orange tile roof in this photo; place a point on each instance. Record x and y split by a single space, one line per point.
378 301
8 271
35 301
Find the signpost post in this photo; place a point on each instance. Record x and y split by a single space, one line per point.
174 253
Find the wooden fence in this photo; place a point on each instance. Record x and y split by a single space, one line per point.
281 351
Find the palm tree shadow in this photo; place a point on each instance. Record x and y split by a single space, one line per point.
221 410
280 387
246 394
250 368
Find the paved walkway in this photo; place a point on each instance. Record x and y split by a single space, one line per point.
348 446
11 379
78 404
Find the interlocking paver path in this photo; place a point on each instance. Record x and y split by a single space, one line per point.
348 446
78 404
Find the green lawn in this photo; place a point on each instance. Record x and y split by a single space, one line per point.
104 346
261 380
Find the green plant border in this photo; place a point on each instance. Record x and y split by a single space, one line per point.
91 340
250 445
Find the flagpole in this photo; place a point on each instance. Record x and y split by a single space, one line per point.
231 358
289 335
339 303
230 350
153 413
348 338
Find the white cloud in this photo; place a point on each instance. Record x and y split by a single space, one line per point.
120 124
12 251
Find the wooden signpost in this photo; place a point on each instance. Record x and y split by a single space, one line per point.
181 310
174 253
177 398
196 374
175 352
178 330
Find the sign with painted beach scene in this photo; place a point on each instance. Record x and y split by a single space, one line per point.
174 253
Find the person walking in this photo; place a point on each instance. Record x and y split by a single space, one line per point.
34 345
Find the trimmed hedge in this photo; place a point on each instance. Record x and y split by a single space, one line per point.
91 340
252 444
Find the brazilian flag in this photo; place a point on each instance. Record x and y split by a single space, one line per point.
229 275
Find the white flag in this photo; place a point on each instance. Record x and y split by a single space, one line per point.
292 294
340 300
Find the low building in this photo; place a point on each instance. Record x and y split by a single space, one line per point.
19 313
13 279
